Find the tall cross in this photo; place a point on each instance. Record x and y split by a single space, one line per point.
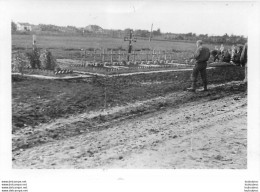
34 42
130 39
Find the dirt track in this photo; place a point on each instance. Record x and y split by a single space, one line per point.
204 130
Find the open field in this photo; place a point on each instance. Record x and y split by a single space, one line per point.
70 46
78 42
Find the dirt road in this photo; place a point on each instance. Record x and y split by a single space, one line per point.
180 130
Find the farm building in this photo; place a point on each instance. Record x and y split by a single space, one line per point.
24 27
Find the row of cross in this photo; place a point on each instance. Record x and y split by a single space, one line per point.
130 39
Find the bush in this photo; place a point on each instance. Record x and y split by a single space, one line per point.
34 58
47 60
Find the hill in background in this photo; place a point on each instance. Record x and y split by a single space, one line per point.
95 30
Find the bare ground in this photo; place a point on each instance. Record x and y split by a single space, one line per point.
180 130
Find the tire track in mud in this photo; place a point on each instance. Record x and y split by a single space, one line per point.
121 143
99 120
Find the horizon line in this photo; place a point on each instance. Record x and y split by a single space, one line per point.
132 29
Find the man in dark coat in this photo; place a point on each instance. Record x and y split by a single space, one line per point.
201 57
226 56
215 53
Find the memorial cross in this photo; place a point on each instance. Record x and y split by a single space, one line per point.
130 39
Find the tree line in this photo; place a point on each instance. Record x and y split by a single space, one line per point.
138 33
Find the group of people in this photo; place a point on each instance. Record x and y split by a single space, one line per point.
231 55
237 55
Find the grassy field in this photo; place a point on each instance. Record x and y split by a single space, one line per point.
70 46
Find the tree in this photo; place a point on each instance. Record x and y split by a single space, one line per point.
127 31
142 33
14 27
157 32
34 58
189 34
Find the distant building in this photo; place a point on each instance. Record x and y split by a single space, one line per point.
23 27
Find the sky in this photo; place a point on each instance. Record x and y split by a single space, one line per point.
212 18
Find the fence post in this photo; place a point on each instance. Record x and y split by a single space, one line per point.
119 56
134 55
111 56
94 55
85 57
165 56
103 55
153 55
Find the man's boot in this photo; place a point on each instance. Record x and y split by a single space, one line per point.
205 88
193 87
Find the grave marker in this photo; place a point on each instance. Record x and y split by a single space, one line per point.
130 39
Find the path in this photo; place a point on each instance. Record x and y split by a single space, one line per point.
207 132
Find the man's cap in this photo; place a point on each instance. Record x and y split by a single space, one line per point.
199 42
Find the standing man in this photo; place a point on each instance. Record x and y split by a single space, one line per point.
201 57
243 60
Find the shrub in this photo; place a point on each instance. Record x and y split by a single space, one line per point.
47 60
34 58
19 62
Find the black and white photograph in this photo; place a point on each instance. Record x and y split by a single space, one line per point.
131 86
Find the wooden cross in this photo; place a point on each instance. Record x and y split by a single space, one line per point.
130 39
34 42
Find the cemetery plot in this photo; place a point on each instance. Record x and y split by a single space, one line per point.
38 101
109 55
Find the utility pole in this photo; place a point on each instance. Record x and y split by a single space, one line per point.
150 38
130 39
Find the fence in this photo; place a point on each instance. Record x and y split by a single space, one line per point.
102 55
108 60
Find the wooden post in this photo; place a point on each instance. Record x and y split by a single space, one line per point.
105 102
134 55
94 55
150 38
34 41
85 57
119 55
147 55
111 56
153 55
103 56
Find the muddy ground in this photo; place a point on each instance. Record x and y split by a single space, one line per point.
179 130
